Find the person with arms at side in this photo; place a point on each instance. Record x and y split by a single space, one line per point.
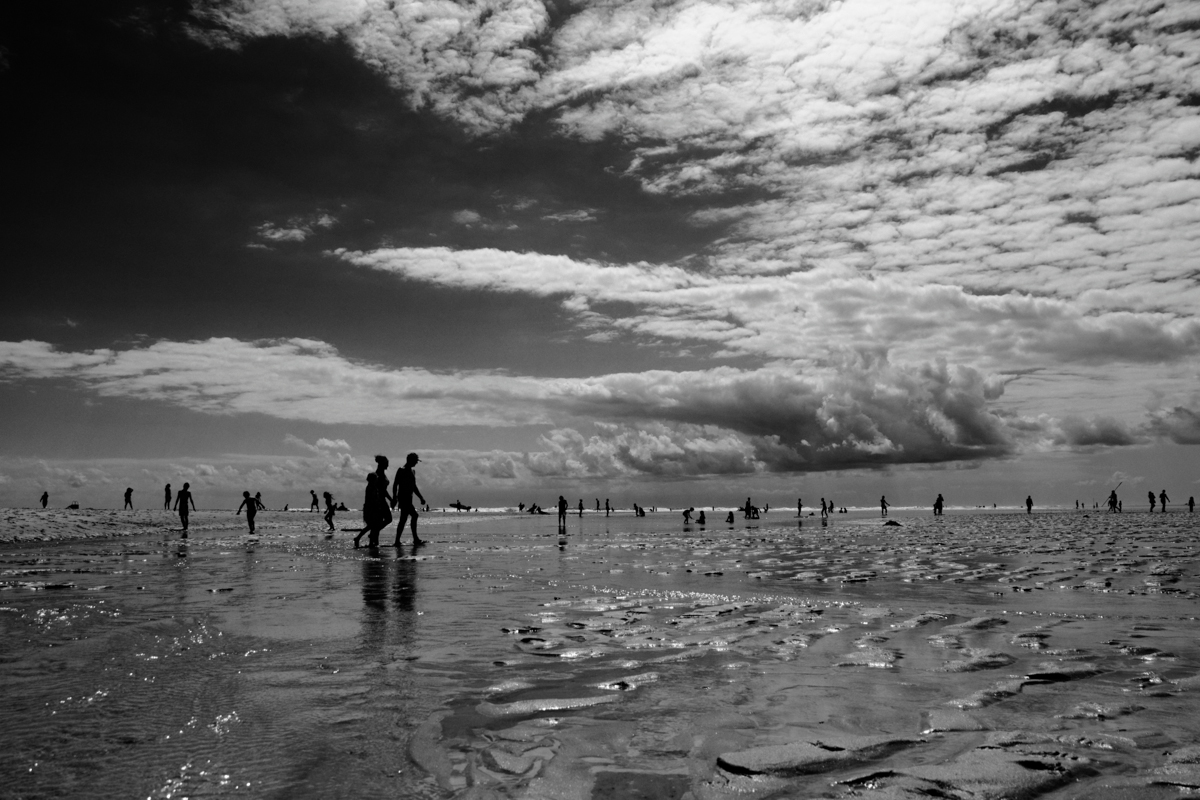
182 499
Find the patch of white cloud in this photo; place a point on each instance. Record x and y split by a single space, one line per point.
296 229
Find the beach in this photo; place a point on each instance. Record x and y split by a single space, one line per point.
973 655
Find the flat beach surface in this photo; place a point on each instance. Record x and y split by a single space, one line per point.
975 655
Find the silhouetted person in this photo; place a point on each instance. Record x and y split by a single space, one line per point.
258 503
128 498
45 498
597 503
729 519
520 507
381 465
329 510
883 505
938 505
1191 504
1150 495
167 497
700 519
687 515
251 505
182 498
799 507
581 506
1029 504
607 507
375 502
1112 502
1162 500
402 494
315 505
562 512
824 508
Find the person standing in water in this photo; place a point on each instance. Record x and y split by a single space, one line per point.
1029 504
375 502
607 507
129 498
167 497
314 506
562 512
329 511
581 506
799 507
1162 500
182 498
1150 495
883 505
45 498
1191 504
251 505
938 505
403 490
381 465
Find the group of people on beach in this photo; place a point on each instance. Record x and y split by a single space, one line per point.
378 502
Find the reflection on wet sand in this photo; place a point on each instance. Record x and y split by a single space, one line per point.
957 657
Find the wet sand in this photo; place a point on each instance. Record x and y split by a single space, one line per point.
968 656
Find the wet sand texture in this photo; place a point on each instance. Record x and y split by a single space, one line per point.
966 657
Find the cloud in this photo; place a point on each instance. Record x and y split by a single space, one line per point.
297 229
1096 431
813 314
321 447
1179 424
859 412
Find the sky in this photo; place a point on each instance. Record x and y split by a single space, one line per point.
673 253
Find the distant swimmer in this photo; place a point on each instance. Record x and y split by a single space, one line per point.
182 498
251 505
167 497
329 510
45 498
1150 496
938 505
1029 504
403 489
1162 500
129 498
687 515
883 505
315 505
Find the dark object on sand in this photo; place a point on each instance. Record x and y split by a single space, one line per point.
74 506
892 523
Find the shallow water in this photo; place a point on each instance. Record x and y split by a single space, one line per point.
1056 653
